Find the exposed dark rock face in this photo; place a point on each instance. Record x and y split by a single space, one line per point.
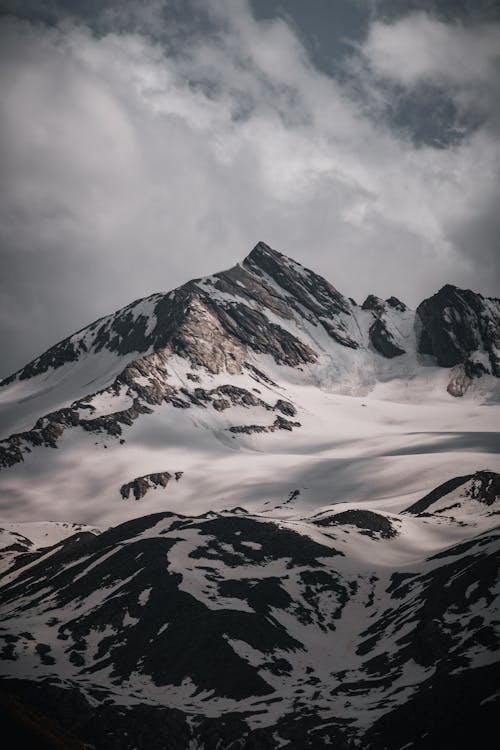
146 383
483 486
460 327
217 333
303 286
396 304
373 303
248 429
250 328
280 423
32 727
381 337
217 323
196 611
212 334
285 407
111 424
454 709
49 429
76 723
236 396
369 523
141 485
383 340
46 432
152 634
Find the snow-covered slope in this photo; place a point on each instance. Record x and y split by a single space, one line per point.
23 540
301 633
253 384
321 568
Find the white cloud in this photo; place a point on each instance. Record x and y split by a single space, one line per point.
130 169
419 46
463 60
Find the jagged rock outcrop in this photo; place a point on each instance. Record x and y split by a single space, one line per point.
140 485
285 407
396 304
215 322
460 327
268 306
383 340
381 332
373 303
280 423
146 383
195 323
306 293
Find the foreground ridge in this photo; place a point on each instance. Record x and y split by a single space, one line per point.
335 627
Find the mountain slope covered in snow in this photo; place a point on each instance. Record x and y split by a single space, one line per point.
267 368
251 513
350 626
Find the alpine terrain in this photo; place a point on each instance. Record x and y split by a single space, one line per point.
253 513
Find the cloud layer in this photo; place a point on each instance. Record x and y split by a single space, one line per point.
150 153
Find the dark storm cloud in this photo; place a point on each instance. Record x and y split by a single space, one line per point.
144 144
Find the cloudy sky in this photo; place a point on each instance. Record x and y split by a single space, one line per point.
144 144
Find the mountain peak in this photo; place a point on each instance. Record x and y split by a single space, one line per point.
264 258
262 249
461 327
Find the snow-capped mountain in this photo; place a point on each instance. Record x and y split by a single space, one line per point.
276 521
270 370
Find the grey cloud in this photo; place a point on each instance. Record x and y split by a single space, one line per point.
133 164
419 53
467 11
477 239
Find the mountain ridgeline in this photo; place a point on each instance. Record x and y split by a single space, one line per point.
456 327
232 631
274 524
268 309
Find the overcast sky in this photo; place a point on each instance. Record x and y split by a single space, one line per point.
144 144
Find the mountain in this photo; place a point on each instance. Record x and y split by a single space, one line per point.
348 627
274 521
270 370
26 538
461 329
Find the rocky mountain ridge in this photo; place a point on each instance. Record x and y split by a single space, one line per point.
343 627
267 306
456 327
296 581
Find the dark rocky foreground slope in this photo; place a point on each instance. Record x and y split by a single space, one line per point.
233 631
